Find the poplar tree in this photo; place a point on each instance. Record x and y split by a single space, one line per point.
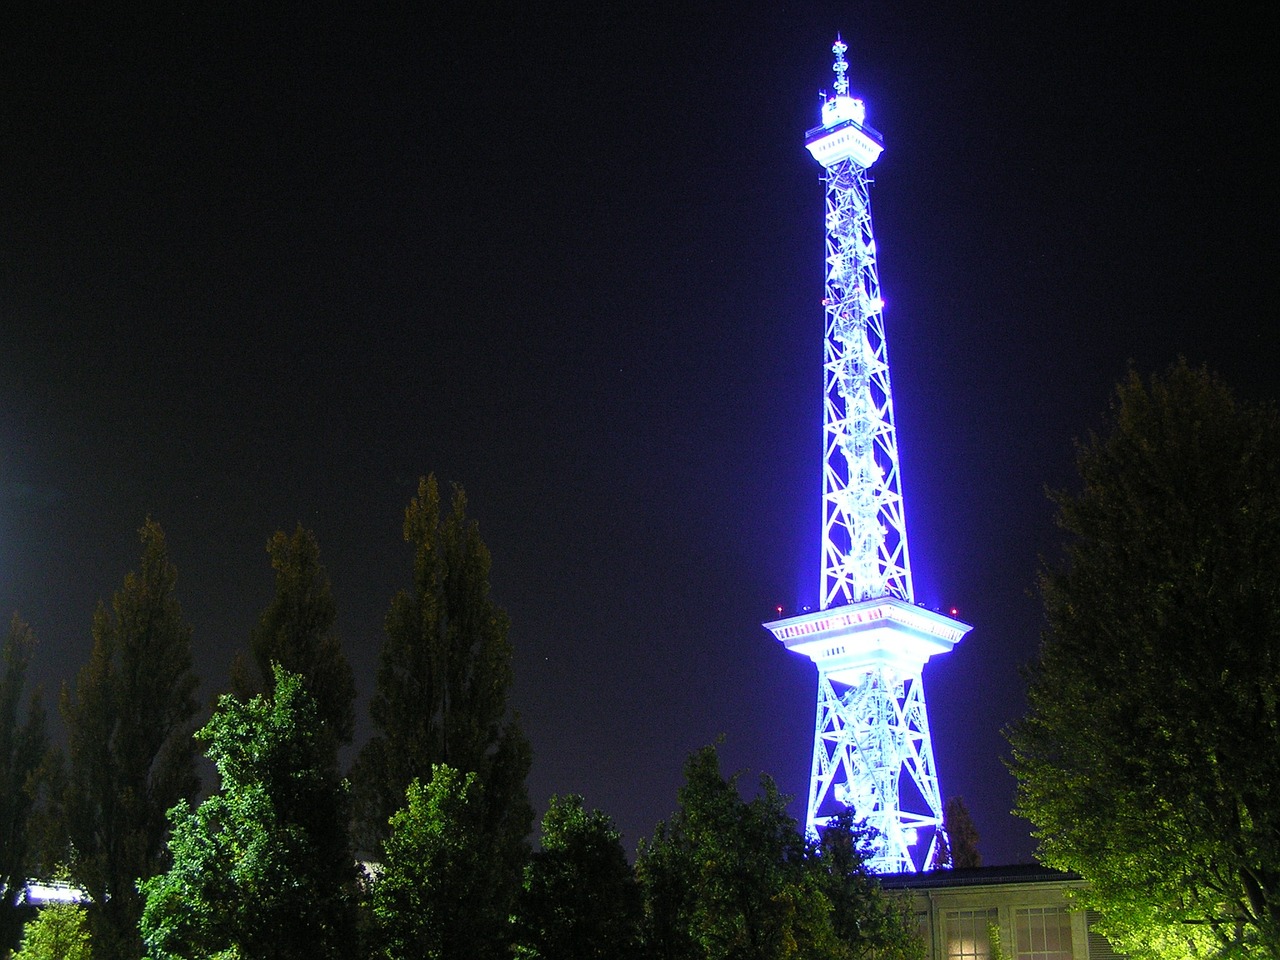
958 842
130 753
963 834
443 680
296 631
22 747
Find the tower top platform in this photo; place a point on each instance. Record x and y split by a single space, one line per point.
844 133
847 641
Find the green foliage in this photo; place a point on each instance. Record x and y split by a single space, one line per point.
59 931
868 921
264 868
727 878
22 747
130 751
723 876
296 632
443 680
1148 759
580 899
436 898
995 946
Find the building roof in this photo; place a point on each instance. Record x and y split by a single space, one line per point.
974 876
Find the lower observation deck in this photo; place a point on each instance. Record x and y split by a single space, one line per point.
845 642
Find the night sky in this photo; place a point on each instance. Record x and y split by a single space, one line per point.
258 270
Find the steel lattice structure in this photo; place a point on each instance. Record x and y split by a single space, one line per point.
872 752
864 532
867 736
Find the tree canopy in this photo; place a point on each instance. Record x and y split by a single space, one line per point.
868 923
726 878
443 680
60 931
296 631
130 752
263 868
436 897
580 900
22 747
1148 759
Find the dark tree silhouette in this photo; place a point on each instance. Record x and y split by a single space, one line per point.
296 631
130 752
22 748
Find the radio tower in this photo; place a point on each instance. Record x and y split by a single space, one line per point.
871 749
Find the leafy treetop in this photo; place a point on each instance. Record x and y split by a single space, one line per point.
1148 758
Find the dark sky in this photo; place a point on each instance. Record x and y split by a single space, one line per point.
257 270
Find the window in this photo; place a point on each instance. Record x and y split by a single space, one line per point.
924 930
967 934
1042 933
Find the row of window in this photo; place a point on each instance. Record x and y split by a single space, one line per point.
1039 933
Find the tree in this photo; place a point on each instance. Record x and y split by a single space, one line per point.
296 632
264 868
22 748
580 900
59 931
443 679
865 919
727 878
958 843
130 752
435 898
1148 758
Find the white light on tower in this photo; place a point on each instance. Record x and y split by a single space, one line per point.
872 753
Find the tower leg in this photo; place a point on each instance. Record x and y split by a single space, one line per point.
872 754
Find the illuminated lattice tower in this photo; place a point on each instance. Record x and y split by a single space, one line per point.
872 753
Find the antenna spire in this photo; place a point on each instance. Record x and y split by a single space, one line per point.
842 82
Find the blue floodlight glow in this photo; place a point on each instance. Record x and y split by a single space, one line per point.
872 752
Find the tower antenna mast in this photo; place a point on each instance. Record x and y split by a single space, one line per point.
872 752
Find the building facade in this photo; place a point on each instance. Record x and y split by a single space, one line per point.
1014 913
